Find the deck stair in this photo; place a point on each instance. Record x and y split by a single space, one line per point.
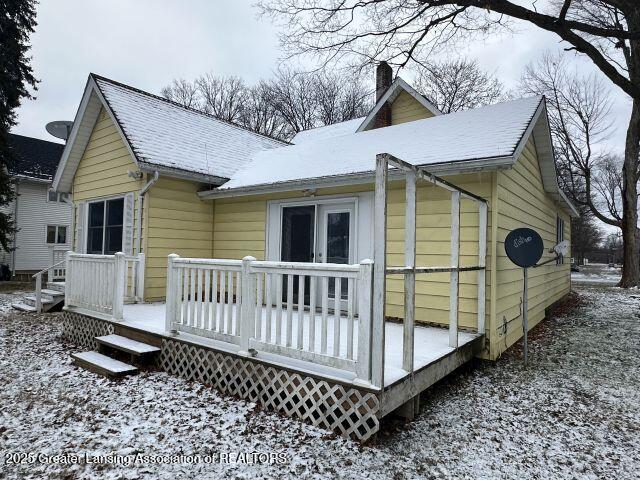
51 298
101 364
109 346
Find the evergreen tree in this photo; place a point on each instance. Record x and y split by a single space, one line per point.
17 22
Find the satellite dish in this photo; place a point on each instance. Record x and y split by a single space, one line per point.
60 128
562 248
524 247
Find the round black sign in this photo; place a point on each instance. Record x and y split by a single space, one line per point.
524 247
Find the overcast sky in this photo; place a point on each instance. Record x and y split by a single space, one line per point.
147 43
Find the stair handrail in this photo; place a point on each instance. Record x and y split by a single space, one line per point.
38 277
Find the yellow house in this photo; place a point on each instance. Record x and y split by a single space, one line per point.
148 175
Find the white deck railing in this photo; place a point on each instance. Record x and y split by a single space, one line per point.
99 283
285 308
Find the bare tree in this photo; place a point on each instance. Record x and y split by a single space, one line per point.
607 32
286 104
182 92
223 97
458 84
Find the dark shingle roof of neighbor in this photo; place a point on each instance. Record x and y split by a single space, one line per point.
34 157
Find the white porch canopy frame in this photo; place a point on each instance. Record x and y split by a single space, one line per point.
380 269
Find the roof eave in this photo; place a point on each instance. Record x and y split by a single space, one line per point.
449 168
182 174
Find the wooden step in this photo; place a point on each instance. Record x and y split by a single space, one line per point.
31 300
23 307
52 293
101 364
124 344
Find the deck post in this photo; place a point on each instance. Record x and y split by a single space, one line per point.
173 290
365 295
410 275
379 270
248 305
120 270
482 263
140 278
68 282
455 274
39 293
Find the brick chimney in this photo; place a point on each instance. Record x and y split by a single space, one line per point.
384 77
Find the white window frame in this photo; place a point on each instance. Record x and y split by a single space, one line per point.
46 235
60 197
104 230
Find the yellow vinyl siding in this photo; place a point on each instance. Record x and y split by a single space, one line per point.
103 169
524 203
405 108
178 222
240 229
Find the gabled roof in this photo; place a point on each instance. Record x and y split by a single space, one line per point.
35 158
484 138
160 135
397 87
365 123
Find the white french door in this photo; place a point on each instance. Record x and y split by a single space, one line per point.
336 234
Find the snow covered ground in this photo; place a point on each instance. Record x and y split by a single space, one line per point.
574 413
597 274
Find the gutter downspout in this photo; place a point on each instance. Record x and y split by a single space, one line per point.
141 193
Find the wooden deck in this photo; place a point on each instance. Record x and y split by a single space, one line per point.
431 345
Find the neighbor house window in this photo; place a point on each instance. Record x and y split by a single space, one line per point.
56 234
559 237
57 197
104 233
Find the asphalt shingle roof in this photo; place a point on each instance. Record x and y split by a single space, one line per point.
34 157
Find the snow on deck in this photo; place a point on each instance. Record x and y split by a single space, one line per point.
431 343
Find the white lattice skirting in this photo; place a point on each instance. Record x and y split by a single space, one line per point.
348 411
82 330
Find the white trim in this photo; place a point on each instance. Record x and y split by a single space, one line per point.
390 95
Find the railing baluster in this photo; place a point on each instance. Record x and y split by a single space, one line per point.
223 299
300 339
199 319
312 314
337 298
229 308
238 309
258 319
214 301
289 308
185 296
279 278
268 302
192 298
325 311
350 300
206 321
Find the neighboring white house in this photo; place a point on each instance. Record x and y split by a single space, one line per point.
42 217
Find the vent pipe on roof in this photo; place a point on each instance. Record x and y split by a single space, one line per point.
384 78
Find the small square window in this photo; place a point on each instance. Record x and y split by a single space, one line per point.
51 234
53 196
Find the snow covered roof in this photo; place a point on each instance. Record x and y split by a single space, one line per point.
477 135
161 135
328 131
365 123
